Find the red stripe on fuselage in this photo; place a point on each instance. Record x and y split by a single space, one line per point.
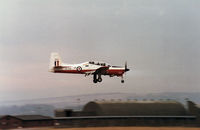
72 71
117 72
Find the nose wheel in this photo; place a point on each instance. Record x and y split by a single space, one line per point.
122 80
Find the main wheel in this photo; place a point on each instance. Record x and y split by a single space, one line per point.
95 81
99 79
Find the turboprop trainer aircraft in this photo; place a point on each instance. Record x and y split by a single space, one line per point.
97 69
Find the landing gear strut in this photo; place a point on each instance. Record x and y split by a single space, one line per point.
122 80
99 78
95 79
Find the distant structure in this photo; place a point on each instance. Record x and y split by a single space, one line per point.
126 108
24 121
67 113
193 108
134 108
113 113
63 112
131 113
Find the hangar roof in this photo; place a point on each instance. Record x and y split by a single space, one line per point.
123 108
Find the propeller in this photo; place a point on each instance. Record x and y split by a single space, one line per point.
126 68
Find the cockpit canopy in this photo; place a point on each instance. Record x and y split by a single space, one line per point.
97 63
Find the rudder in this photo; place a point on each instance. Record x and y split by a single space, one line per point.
55 60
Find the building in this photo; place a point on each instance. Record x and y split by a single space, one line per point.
19 121
134 108
193 108
112 113
67 113
130 113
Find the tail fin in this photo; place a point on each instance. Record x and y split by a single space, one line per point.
55 60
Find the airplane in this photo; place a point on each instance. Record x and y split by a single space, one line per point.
97 69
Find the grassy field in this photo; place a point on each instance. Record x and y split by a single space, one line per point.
119 128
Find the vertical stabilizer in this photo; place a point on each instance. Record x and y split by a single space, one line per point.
55 61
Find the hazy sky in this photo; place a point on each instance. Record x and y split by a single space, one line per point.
160 39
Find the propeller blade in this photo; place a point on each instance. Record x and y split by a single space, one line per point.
126 68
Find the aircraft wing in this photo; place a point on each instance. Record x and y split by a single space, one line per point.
101 70
89 72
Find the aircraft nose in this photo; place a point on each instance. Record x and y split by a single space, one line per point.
127 69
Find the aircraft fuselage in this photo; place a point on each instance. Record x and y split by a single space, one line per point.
88 68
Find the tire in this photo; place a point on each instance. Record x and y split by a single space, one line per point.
122 81
99 79
95 81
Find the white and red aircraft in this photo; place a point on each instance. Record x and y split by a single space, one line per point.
97 69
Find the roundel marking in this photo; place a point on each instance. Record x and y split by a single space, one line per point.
79 68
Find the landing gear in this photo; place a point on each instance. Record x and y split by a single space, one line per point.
99 78
95 79
122 80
